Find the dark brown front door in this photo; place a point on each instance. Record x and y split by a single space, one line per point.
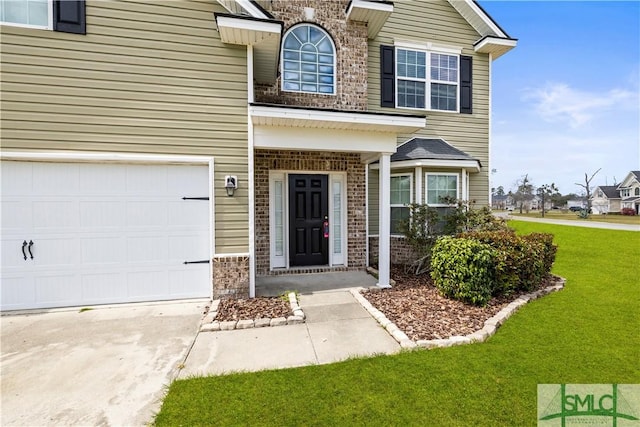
308 209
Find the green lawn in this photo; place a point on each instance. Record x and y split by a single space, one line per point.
586 333
568 215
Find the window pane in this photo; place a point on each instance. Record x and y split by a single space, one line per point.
302 55
411 94
398 217
15 11
441 187
337 218
279 218
302 33
400 190
444 97
38 12
325 46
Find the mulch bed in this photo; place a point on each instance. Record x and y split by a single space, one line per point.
416 307
251 309
413 304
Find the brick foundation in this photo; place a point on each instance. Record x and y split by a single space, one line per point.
230 276
316 162
401 252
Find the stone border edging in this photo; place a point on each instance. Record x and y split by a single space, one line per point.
490 325
209 324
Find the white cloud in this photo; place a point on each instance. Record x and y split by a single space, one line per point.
559 103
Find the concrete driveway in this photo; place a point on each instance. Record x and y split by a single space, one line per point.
106 366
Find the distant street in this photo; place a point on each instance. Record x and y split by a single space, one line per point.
575 223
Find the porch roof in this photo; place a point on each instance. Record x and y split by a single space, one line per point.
433 152
321 118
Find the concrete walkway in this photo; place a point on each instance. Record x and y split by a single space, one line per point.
336 328
577 223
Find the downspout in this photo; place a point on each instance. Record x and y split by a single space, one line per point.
490 114
251 179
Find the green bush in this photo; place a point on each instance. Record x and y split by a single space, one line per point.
521 262
462 269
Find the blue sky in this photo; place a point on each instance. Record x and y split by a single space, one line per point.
566 99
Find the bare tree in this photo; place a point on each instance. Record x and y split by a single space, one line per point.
587 188
523 193
546 191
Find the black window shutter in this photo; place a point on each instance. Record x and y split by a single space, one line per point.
466 104
387 77
69 16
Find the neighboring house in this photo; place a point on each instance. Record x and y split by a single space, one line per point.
166 150
629 190
605 199
500 202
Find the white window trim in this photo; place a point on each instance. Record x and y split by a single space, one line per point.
426 188
428 49
49 25
335 54
279 262
399 205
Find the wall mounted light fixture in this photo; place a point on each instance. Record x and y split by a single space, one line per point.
230 184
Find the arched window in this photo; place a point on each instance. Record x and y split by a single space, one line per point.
638 191
308 60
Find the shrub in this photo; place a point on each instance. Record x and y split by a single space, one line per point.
521 262
462 269
628 211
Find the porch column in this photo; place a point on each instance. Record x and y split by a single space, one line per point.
465 188
384 231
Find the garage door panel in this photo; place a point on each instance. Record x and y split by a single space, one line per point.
57 251
103 286
101 214
103 250
103 233
17 291
146 214
55 179
55 214
150 284
190 275
17 179
53 290
147 249
12 255
186 213
187 181
188 247
15 213
92 179
146 181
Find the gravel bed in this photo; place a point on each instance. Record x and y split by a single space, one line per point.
417 309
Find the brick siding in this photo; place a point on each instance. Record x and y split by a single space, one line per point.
316 162
230 276
401 252
350 39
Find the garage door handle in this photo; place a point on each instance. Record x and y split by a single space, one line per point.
24 245
29 248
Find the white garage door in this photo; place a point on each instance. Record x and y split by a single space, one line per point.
102 233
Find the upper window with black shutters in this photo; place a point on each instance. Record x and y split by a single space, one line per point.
425 79
59 15
308 61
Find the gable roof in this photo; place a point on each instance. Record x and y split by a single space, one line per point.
610 191
429 148
628 180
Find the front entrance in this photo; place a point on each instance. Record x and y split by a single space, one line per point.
308 211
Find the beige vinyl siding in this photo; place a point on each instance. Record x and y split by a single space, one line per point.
148 77
438 22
